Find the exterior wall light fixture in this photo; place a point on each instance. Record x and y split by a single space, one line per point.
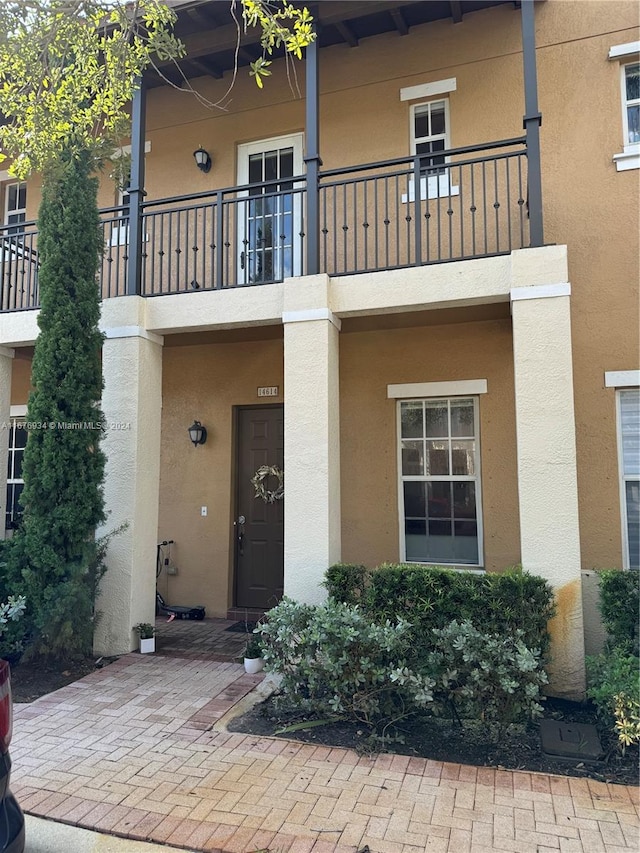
203 159
197 433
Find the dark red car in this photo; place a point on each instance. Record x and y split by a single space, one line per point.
11 817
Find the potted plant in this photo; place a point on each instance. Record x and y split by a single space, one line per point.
146 633
253 661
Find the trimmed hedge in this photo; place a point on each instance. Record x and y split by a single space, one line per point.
431 597
346 582
619 606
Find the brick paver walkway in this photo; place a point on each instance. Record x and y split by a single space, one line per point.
131 750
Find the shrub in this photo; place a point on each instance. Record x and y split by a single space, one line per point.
63 467
492 677
335 662
12 635
619 606
614 687
346 582
430 597
26 635
627 713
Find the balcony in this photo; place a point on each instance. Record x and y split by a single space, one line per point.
472 203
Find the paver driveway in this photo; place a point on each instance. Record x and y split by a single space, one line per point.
131 750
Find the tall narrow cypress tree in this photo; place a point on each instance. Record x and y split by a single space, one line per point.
63 463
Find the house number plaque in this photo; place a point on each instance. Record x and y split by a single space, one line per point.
269 391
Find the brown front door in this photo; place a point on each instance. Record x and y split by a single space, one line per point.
259 524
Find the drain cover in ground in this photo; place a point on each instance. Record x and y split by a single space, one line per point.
570 741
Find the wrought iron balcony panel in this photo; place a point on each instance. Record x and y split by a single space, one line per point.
469 203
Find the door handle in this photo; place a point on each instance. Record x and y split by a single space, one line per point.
241 260
240 525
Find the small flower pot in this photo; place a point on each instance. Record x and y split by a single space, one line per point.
147 646
253 665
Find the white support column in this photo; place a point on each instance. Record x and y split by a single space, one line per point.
6 366
132 405
311 438
547 478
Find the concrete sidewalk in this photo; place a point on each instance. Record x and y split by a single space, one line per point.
132 750
46 836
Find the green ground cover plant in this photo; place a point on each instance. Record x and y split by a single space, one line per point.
613 677
335 662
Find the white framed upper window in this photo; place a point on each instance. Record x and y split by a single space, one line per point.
628 55
439 481
630 85
628 410
429 134
15 204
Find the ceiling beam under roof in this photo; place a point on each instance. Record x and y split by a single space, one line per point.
207 66
171 73
203 17
399 21
347 33
247 55
456 10
226 37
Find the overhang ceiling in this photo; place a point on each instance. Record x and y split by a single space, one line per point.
211 36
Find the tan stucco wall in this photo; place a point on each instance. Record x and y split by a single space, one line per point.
204 383
20 378
362 119
585 202
369 361
582 191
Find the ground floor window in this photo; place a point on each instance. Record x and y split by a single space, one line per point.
629 451
15 483
439 458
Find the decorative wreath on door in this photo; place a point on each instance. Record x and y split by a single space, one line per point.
259 482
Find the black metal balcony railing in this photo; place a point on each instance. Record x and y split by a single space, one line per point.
470 202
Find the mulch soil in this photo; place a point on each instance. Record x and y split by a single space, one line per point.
467 743
30 681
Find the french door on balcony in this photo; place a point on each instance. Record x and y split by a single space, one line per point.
269 222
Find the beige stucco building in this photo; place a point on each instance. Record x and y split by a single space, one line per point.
446 375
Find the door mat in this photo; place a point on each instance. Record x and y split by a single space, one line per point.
242 627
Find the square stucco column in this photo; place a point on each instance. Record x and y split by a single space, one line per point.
132 405
311 439
6 366
547 478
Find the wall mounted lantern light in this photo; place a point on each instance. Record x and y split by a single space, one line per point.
197 433
203 159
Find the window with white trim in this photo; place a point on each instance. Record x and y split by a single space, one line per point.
430 135
631 103
15 204
15 481
628 57
629 461
439 463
